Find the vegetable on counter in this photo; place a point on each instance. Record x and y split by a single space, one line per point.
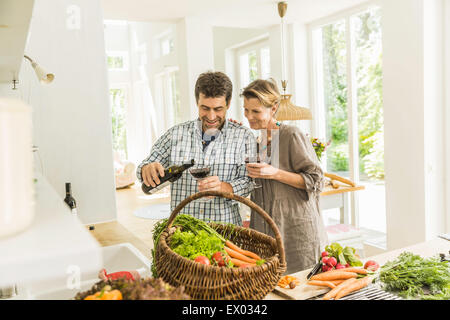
354 286
342 281
337 257
105 294
287 280
413 277
141 289
334 275
333 292
371 265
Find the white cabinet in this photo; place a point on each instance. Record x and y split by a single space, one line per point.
56 245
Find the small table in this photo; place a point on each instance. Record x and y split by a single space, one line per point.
338 198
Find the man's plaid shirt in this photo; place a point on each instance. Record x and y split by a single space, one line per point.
224 155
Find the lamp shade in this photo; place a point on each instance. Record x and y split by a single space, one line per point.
42 75
288 111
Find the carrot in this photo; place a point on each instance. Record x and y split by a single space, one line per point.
247 253
322 283
336 282
353 269
333 292
286 280
234 254
334 275
356 285
239 263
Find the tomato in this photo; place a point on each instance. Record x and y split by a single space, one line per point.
218 259
203 260
371 265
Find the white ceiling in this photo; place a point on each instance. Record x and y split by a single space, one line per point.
226 13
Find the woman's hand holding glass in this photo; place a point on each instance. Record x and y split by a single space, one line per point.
261 171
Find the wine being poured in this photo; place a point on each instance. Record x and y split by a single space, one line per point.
171 174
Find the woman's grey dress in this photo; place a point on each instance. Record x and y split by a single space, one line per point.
295 211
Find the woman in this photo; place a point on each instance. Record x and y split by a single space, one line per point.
290 176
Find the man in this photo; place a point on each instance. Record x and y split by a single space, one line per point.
212 142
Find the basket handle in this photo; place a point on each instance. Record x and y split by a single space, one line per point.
243 200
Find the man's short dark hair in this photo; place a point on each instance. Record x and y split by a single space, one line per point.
214 85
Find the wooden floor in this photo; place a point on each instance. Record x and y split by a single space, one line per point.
128 227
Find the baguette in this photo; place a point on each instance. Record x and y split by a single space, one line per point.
341 179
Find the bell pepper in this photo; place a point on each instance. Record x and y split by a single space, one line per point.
105 295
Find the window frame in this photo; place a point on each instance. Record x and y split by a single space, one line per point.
318 127
163 95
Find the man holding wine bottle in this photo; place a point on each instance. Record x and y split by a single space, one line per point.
216 146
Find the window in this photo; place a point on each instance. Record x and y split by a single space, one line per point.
253 62
347 68
167 46
168 95
117 61
118 102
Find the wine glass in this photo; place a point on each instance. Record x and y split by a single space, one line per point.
200 173
255 158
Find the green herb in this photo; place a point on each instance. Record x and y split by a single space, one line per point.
414 277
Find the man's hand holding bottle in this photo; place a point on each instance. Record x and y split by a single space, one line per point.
151 174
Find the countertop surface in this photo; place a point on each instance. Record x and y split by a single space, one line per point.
424 249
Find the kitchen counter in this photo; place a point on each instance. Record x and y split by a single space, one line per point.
424 249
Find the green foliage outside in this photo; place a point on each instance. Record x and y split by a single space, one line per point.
366 29
118 116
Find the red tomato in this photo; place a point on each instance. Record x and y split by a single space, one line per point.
218 259
371 265
203 260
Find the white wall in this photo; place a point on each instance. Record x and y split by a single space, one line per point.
71 117
434 117
446 68
412 121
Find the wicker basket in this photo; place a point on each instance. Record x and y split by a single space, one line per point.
221 283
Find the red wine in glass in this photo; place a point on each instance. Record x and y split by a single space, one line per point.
199 173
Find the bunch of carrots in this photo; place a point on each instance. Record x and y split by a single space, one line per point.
342 281
240 257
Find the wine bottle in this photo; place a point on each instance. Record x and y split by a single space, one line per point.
171 174
69 199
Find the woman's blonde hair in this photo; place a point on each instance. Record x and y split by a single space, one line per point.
266 91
